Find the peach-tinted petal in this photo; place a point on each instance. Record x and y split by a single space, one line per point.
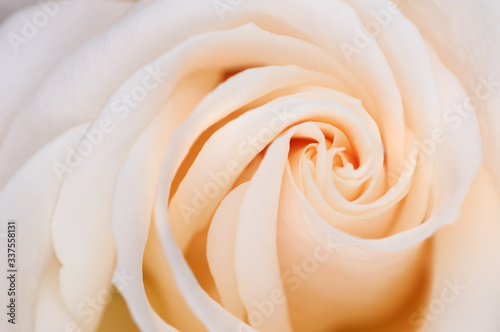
221 244
465 295
466 35
131 210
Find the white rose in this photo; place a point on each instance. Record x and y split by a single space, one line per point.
237 165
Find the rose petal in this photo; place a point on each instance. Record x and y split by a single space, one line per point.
131 210
410 62
466 35
334 280
466 293
22 58
51 313
256 254
221 244
35 186
463 248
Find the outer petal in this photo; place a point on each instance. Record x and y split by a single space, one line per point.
466 35
34 186
466 292
25 58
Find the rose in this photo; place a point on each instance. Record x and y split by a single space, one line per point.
66 158
295 205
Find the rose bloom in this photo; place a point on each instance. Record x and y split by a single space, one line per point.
250 165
